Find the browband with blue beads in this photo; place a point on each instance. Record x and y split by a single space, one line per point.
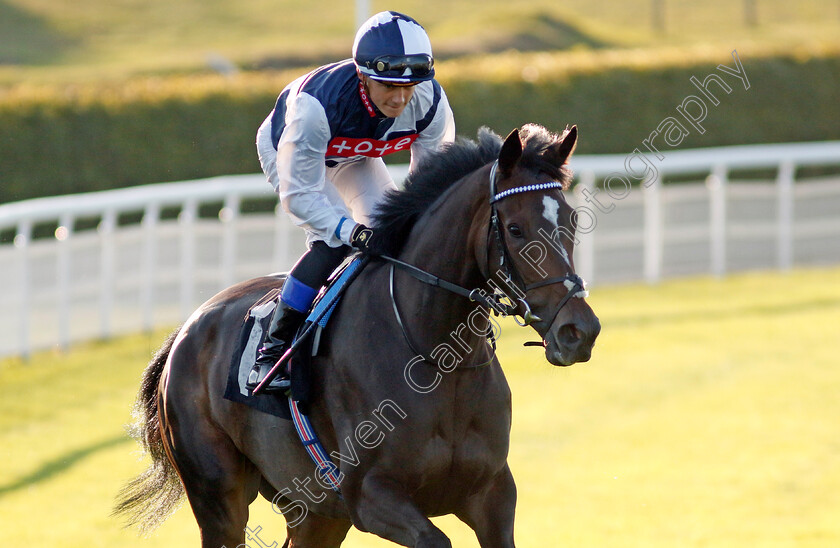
526 188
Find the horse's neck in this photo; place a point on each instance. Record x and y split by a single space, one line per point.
444 242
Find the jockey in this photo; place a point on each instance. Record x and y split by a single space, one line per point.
321 149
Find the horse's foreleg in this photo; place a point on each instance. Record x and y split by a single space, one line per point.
383 509
490 512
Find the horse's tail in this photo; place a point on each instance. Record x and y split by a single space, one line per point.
151 497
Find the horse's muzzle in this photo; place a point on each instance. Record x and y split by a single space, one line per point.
572 342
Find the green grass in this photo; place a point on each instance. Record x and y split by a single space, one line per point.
708 416
86 40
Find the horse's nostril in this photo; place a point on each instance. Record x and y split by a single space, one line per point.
570 335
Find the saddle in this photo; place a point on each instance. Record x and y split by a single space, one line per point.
254 330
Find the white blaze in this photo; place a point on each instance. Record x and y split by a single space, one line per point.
551 209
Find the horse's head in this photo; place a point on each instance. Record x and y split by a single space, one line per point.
532 239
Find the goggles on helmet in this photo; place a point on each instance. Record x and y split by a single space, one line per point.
394 66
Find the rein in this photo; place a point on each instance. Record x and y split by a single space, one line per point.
489 302
458 290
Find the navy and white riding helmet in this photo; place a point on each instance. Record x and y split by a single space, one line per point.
394 48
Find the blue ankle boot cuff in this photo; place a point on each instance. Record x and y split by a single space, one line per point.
297 294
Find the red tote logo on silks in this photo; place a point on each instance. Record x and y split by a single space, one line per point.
347 147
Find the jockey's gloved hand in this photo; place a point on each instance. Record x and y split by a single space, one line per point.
361 237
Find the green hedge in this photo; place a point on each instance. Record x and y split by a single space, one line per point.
154 131
90 138
618 102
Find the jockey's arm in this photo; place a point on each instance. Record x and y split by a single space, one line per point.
302 173
440 131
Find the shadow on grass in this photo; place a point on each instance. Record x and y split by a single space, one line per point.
544 32
28 38
61 464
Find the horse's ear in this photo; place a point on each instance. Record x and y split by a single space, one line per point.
567 146
510 153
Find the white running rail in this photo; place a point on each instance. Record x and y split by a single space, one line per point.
89 266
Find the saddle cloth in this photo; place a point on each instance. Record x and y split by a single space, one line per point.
251 338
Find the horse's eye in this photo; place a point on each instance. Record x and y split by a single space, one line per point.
515 231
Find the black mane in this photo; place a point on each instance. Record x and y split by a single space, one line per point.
399 210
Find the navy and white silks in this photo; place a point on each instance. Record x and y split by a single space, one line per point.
321 147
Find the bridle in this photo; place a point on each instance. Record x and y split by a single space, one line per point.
494 301
575 285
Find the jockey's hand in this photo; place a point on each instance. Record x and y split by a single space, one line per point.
360 237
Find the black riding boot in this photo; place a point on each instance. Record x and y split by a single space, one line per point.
302 284
281 331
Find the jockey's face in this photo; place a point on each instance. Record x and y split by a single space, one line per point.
389 99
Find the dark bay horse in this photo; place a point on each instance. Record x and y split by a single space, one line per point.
415 412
